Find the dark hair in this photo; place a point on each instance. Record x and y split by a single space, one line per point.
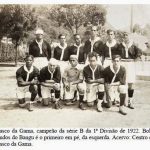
87 32
92 54
125 33
60 35
109 30
116 56
29 56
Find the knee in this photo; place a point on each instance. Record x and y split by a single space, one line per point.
122 89
33 89
22 102
45 101
130 86
81 88
101 88
81 91
90 104
108 104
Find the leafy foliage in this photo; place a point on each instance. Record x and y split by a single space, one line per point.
72 17
16 21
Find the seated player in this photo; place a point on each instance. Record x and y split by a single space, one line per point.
50 77
93 74
72 80
27 80
115 76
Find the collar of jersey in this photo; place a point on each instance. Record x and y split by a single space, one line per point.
77 45
28 71
129 45
39 42
112 69
113 43
61 46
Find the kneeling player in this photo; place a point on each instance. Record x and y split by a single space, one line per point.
50 77
115 75
93 74
72 80
27 80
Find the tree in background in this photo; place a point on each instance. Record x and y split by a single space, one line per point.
137 29
72 17
16 22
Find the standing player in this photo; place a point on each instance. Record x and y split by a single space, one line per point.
61 53
72 80
94 44
27 80
110 48
115 78
77 49
93 74
50 77
61 50
129 54
41 51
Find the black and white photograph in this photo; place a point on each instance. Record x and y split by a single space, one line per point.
74 65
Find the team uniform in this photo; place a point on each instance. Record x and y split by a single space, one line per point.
23 74
94 89
46 74
112 77
94 46
72 74
62 55
41 51
128 54
109 49
77 50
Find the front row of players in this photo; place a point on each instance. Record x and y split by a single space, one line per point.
90 83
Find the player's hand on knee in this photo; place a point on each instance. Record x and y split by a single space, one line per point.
33 82
56 87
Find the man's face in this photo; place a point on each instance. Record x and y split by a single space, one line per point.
126 37
29 61
111 36
73 62
77 39
116 62
52 67
39 36
62 39
88 36
93 61
94 31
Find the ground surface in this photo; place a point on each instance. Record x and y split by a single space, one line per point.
12 116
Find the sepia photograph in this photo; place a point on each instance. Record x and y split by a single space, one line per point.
74 65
